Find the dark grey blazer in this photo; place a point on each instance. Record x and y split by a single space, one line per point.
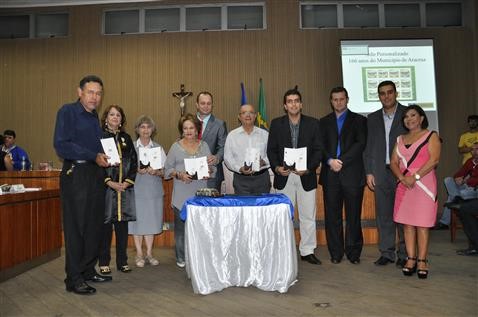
215 136
280 137
374 155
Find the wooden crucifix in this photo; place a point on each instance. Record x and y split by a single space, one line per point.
182 95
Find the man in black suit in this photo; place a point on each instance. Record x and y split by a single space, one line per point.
384 126
214 133
343 135
295 130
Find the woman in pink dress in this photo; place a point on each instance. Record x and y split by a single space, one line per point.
413 162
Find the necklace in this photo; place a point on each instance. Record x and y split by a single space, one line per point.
190 148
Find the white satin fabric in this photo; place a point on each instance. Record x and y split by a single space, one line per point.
240 246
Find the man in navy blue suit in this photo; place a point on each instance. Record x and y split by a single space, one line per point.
343 136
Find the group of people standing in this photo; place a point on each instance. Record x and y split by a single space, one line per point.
98 197
391 151
392 146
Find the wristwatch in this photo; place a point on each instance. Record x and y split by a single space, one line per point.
417 177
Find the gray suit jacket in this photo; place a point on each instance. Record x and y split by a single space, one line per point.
374 154
215 136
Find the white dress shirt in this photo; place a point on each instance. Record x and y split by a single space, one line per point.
388 120
238 140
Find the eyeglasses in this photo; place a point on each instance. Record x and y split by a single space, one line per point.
245 113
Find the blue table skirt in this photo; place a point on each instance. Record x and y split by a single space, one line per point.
234 200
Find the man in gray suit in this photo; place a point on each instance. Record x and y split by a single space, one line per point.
384 126
214 133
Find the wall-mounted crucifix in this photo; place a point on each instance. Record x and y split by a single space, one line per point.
182 95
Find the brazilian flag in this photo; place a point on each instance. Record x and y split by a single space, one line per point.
262 113
243 95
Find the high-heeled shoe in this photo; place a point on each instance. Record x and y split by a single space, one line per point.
422 273
409 271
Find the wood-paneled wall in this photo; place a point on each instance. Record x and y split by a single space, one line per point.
141 71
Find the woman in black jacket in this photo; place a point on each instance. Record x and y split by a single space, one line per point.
119 201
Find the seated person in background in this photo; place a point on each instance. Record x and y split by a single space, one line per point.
468 213
17 153
468 138
2 156
6 163
461 186
248 179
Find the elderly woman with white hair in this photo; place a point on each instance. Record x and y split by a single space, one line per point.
148 195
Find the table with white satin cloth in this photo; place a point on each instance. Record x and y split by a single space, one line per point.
240 241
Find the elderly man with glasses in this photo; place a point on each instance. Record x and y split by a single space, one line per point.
245 155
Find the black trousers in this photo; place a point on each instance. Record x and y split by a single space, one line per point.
467 215
335 197
82 194
121 235
251 185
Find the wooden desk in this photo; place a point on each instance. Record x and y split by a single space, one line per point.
30 230
43 179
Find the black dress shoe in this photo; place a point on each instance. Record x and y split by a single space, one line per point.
311 258
82 289
335 261
99 278
125 269
383 261
467 252
354 261
453 205
440 226
401 263
458 199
